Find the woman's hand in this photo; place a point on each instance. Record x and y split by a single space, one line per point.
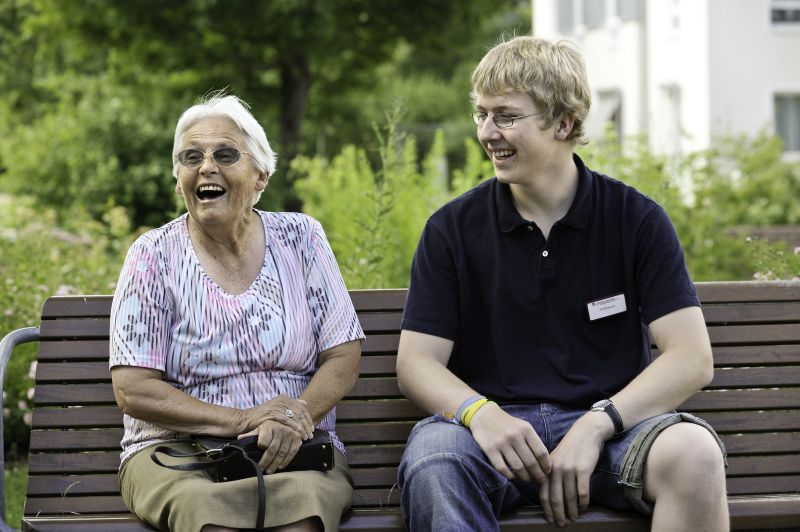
280 444
292 413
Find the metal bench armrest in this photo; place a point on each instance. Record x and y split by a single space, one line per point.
7 345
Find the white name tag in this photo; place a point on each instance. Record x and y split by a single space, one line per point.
605 307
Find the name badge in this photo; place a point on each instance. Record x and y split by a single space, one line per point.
605 307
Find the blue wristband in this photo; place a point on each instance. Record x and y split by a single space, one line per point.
465 405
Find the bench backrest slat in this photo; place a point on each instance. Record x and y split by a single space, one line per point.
755 332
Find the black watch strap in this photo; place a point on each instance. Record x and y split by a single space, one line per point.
608 407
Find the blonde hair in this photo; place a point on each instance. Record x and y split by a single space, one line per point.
552 74
217 104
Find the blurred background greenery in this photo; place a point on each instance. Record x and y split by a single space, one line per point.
367 105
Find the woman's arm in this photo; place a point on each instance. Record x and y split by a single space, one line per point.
336 375
141 393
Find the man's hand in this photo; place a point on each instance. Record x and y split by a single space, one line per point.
574 460
511 444
276 410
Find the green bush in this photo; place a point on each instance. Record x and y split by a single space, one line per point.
373 216
39 259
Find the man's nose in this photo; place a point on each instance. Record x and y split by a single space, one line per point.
488 131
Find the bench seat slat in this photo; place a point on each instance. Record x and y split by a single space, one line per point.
760 355
759 399
77 417
94 523
751 291
766 312
90 440
74 463
754 334
755 377
769 420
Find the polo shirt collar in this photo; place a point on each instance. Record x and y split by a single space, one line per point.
577 216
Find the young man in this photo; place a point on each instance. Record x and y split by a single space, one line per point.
525 332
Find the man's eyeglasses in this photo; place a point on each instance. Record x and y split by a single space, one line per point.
501 120
192 158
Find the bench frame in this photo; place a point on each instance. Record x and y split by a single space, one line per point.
753 402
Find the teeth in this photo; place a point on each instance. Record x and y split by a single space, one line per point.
210 188
504 153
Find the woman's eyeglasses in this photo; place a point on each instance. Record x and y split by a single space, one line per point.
192 158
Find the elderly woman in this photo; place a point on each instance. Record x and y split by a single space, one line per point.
230 321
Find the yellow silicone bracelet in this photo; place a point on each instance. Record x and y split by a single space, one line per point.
466 417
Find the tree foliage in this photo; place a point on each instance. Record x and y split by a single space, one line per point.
93 88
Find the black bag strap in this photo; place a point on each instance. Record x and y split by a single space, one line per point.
216 456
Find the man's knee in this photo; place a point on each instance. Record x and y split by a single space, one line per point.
685 457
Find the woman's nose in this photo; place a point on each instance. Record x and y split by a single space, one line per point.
209 164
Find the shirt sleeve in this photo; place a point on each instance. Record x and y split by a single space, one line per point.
140 316
432 305
334 319
662 276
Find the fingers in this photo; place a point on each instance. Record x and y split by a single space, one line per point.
510 444
557 498
567 494
583 491
296 415
544 500
570 493
280 446
535 457
293 413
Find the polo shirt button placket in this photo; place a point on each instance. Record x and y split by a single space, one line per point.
545 264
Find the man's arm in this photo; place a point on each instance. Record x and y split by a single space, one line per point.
684 367
511 444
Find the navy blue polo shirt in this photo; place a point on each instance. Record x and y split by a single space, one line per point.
537 320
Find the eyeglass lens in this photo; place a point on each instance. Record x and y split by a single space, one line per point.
224 156
501 120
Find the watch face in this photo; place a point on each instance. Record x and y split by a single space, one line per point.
601 405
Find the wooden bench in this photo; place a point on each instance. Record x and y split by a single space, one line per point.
754 403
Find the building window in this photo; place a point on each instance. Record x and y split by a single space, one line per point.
594 13
566 16
787 120
784 13
629 9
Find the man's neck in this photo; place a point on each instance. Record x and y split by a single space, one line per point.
547 196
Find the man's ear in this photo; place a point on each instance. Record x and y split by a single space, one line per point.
564 127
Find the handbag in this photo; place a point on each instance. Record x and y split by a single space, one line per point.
228 459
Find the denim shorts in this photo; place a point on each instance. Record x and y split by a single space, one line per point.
616 483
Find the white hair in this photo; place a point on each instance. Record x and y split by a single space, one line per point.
228 106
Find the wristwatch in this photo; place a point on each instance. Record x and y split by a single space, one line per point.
605 405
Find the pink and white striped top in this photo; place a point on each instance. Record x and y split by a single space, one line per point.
235 351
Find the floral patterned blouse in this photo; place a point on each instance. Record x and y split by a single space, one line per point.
231 350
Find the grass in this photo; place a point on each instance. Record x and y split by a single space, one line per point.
16 475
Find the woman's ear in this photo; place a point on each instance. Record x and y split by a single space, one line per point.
178 188
564 128
262 180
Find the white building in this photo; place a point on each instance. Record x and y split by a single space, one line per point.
685 71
